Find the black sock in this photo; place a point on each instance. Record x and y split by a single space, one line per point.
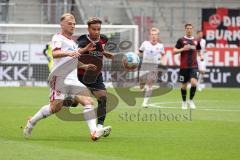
192 92
184 94
101 110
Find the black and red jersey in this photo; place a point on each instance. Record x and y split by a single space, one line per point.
93 57
188 59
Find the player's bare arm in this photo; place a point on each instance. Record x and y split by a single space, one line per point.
91 67
163 60
177 51
58 53
90 47
108 55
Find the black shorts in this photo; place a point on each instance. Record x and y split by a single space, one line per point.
95 85
185 75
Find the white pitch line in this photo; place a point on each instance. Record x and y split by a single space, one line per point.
156 105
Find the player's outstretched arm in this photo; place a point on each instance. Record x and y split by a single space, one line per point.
91 67
163 60
108 55
57 53
89 47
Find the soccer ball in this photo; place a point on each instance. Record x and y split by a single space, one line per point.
130 61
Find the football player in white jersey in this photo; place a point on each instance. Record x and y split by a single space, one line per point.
201 63
63 79
152 53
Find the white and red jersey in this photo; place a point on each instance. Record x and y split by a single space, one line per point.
63 77
152 53
64 44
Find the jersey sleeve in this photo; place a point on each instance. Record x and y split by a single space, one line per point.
179 44
198 46
81 41
142 47
57 42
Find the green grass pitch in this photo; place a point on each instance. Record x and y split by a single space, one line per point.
163 131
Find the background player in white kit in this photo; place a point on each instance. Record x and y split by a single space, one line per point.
65 54
152 53
201 64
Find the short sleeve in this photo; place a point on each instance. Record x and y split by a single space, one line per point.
142 47
81 41
56 42
179 44
198 46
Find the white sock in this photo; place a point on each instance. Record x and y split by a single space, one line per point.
90 117
200 79
145 100
147 95
44 112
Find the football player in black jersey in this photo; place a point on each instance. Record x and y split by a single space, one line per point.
92 76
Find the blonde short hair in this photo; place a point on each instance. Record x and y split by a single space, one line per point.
155 30
65 15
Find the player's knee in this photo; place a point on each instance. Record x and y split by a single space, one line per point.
193 82
184 86
87 101
56 106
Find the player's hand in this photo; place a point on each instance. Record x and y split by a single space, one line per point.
186 47
90 67
89 47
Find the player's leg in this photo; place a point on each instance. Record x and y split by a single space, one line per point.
90 117
202 69
56 102
184 95
88 110
89 114
101 96
98 89
183 79
152 76
200 79
142 79
44 112
194 82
